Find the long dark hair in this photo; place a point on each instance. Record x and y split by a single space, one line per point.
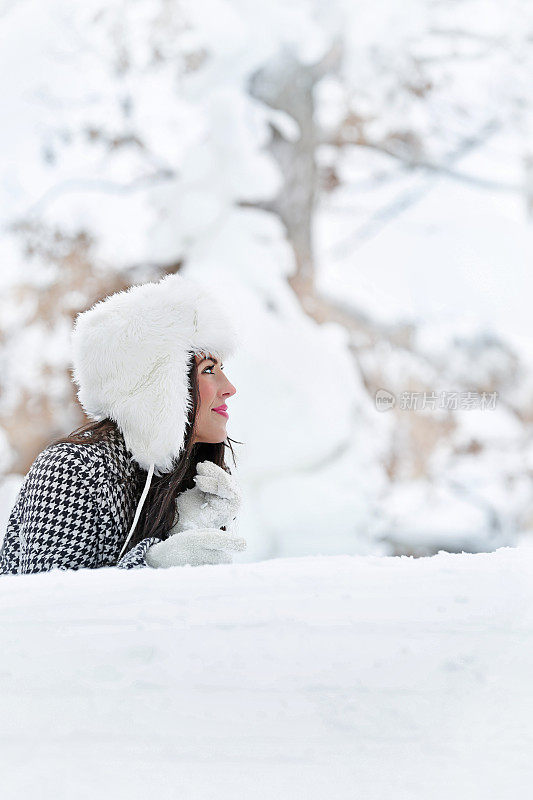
159 512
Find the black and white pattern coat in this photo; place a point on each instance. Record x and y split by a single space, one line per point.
74 510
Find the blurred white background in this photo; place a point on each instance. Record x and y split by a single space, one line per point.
356 181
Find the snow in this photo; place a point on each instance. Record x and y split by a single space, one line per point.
458 253
320 676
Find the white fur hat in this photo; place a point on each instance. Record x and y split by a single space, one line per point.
130 355
131 352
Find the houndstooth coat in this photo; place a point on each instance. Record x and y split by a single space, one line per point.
74 510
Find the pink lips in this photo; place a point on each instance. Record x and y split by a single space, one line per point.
222 410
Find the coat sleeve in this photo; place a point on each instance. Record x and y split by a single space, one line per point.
64 519
58 513
111 521
136 556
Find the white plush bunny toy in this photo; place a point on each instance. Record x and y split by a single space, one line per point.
196 538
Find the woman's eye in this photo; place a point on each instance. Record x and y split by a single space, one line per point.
211 367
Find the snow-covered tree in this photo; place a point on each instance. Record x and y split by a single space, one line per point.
262 148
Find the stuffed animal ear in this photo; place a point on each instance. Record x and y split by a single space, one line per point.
207 468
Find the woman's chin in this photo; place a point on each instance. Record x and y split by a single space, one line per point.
214 437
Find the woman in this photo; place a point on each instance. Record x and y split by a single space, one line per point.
148 363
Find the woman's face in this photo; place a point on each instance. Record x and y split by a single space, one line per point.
215 389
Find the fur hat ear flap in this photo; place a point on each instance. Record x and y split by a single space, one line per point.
153 414
131 354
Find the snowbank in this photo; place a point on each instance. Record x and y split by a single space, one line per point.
315 677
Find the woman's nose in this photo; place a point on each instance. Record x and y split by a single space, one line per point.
230 390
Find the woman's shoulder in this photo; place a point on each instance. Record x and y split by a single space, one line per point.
103 460
100 469
61 463
64 454
58 476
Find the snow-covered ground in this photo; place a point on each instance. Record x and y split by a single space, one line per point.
313 677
